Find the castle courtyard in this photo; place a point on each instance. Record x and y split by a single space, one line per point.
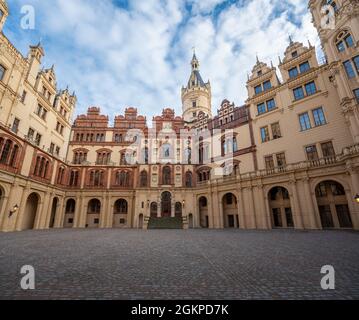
179 264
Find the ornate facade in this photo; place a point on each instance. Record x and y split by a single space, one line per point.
288 158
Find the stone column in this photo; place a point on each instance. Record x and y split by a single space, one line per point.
310 206
21 212
296 209
241 214
159 209
45 212
263 223
173 208
104 211
38 218
60 214
354 175
77 213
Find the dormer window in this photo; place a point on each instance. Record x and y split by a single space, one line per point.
344 41
294 54
259 73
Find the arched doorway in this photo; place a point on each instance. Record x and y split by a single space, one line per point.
69 213
30 213
203 212
153 210
280 206
230 211
333 205
120 211
140 221
190 221
54 206
166 199
178 210
93 213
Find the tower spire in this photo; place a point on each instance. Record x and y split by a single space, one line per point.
194 62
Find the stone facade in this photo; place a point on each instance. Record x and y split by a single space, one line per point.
288 158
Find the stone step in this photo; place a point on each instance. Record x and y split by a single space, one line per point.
165 223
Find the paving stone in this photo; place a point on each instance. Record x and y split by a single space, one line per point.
179 264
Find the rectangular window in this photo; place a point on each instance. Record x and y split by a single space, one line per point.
265 134
2 72
271 105
349 41
281 159
304 121
267 85
52 148
276 134
312 153
57 150
349 69
319 118
310 88
258 89
304 67
38 139
340 46
30 133
261 108
356 93
23 96
194 104
327 149
298 93
38 110
293 72
356 62
15 125
269 163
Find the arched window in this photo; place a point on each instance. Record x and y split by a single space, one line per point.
166 150
70 206
144 157
96 178
344 40
143 179
189 182
103 158
8 152
94 206
234 144
166 175
60 175
188 155
122 178
74 178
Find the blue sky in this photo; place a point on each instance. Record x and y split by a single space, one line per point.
120 53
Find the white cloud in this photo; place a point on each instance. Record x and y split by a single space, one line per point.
140 57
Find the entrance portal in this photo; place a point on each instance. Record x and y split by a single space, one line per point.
166 204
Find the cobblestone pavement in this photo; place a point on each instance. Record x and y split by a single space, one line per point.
179 264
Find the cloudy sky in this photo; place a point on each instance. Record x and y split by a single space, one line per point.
118 53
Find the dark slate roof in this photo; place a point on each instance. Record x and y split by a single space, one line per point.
198 77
